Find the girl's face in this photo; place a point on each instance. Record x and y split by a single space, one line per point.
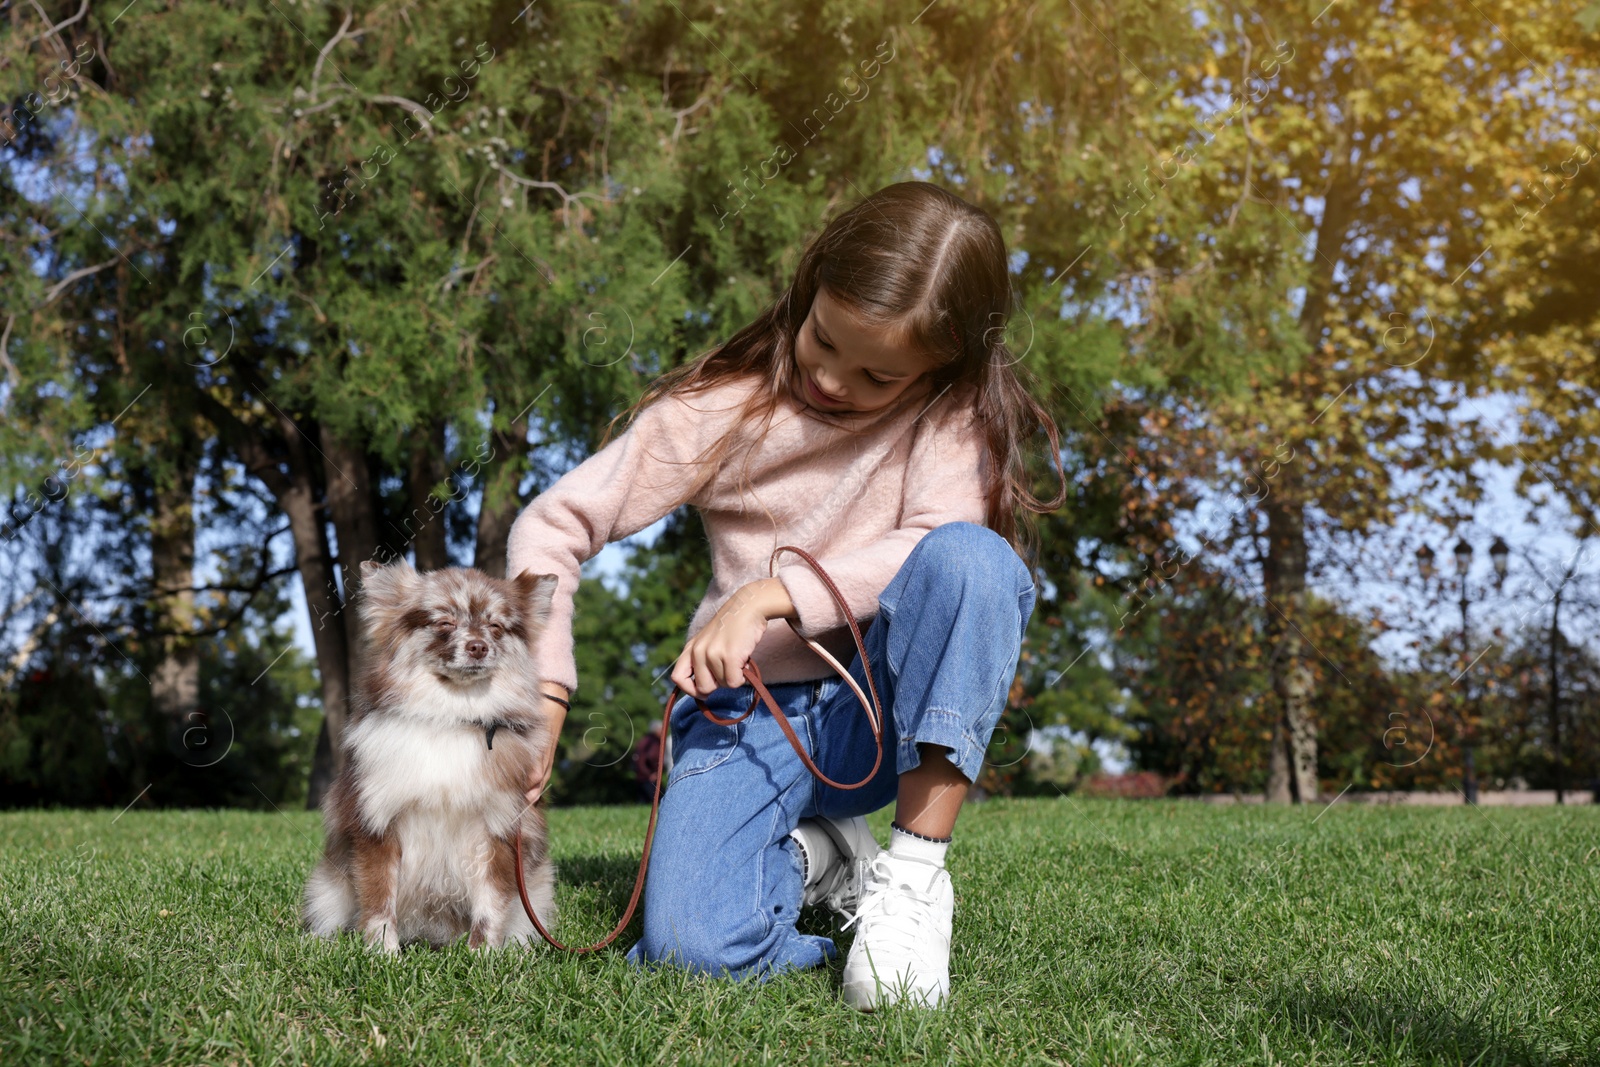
845 365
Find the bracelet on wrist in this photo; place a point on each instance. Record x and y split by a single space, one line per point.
559 700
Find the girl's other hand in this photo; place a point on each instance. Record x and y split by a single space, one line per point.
555 715
715 656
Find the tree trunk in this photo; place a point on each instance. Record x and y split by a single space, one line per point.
296 493
350 504
1301 685
1284 568
501 477
425 522
348 487
175 681
326 608
317 582
1278 788
1292 680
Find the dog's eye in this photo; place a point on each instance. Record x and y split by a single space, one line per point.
444 626
497 630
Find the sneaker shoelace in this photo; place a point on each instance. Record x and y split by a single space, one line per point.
843 892
884 897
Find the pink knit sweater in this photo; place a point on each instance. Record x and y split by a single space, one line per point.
856 501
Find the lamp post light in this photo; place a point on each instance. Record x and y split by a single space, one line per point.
1499 555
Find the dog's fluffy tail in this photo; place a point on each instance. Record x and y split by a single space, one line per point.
330 901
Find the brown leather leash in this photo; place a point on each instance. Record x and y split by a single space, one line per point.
874 714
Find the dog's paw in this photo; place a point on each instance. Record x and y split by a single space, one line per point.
523 941
381 936
482 938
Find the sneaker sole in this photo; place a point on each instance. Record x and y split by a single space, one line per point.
863 996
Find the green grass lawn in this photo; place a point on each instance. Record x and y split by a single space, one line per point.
1086 932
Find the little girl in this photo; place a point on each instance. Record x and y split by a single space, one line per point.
876 419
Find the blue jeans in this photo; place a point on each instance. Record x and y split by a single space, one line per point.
724 885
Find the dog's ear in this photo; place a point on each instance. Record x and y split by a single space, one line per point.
537 591
385 587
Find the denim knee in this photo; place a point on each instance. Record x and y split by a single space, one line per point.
978 556
724 886
707 948
950 649
710 931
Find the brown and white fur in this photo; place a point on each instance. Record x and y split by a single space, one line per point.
420 816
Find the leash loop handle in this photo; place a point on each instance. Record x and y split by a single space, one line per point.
874 713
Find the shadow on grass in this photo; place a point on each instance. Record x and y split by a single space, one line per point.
611 879
1368 1023
612 876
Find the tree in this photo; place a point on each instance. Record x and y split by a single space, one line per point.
1382 137
417 245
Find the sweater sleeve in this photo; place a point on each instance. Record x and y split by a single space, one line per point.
944 482
636 479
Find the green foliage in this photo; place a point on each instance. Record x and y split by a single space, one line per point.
1063 686
51 745
1066 765
1507 708
1264 246
76 733
1198 670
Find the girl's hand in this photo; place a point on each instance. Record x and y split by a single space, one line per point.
555 715
715 656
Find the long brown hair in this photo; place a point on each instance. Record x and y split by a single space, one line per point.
917 260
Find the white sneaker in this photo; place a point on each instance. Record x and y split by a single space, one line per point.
838 886
902 945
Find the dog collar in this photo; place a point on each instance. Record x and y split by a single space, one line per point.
490 727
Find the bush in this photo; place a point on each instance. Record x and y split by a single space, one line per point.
1061 769
1138 785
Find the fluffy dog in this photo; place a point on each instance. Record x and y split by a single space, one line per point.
442 734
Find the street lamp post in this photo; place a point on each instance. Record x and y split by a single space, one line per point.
1499 555
1469 769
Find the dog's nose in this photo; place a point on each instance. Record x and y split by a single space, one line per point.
477 649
